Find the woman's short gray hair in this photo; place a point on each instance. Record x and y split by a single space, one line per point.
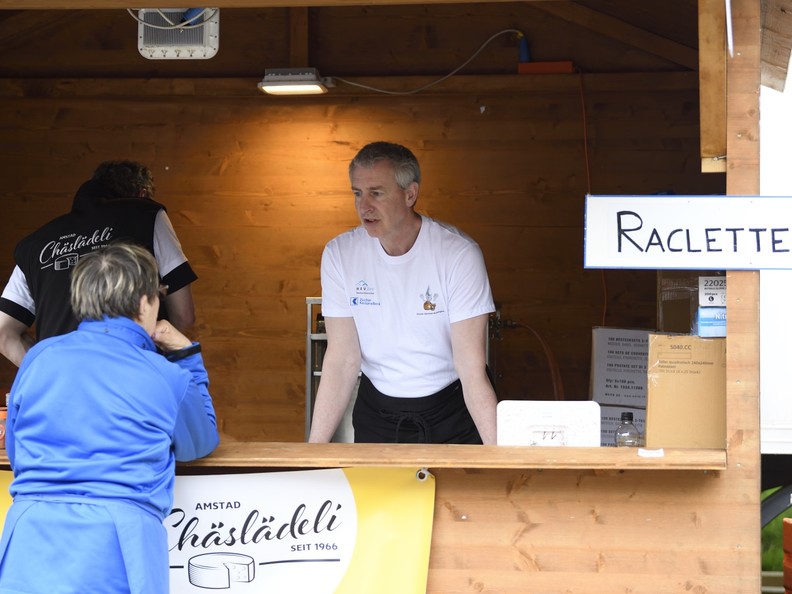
405 165
111 281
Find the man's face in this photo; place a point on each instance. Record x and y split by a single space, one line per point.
383 207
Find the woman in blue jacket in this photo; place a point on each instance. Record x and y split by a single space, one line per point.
97 419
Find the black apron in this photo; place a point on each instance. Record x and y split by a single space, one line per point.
439 418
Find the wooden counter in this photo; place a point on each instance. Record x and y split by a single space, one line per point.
303 455
263 455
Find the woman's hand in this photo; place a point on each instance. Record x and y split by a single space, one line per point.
168 338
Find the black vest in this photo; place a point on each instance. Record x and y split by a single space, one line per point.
48 255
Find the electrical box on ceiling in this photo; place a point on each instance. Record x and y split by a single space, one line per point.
178 33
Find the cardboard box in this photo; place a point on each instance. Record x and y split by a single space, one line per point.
618 366
686 392
677 299
711 322
610 419
679 294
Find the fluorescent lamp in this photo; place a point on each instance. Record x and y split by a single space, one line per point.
292 81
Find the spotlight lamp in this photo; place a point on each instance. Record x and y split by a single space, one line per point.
293 81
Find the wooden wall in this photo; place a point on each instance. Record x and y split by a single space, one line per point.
256 185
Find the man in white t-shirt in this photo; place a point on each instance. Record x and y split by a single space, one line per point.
117 203
406 302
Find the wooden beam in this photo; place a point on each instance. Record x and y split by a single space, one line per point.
44 88
742 301
27 24
298 37
310 455
712 84
776 42
620 31
124 4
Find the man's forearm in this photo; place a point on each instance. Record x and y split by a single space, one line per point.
14 346
332 400
482 404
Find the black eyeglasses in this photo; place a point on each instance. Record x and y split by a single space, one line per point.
163 291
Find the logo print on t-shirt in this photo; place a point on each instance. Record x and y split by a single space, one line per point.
429 300
364 294
363 288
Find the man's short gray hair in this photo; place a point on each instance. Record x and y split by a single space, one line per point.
404 163
111 281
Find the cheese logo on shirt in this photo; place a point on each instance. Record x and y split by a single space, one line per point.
429 300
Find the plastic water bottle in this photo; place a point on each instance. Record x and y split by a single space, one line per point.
627 435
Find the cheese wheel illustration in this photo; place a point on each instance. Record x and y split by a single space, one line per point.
220 570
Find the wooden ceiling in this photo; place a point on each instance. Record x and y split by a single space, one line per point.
597 35
665 29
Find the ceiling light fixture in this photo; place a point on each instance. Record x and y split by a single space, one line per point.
293 81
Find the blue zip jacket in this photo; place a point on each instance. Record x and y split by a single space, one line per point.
97 419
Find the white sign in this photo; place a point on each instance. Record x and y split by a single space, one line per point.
688 232
225 533
574 423
318 531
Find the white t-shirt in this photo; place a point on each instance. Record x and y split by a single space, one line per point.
403 306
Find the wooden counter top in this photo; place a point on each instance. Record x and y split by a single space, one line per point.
302 455
237 454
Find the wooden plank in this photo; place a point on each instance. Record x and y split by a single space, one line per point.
234 454
24 25
302 455
742 351
575 531
135 88
623 32
712 84
299 55
776 43
123 4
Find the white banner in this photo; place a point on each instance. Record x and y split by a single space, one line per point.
688 232
317 531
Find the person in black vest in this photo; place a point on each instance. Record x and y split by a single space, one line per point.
115 204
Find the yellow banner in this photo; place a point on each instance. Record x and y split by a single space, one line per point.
6 476
395 508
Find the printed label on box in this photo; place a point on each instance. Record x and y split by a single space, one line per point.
618 366
712 291
686 404
711 322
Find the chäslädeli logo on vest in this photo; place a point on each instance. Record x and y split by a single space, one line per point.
62 254
364 295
